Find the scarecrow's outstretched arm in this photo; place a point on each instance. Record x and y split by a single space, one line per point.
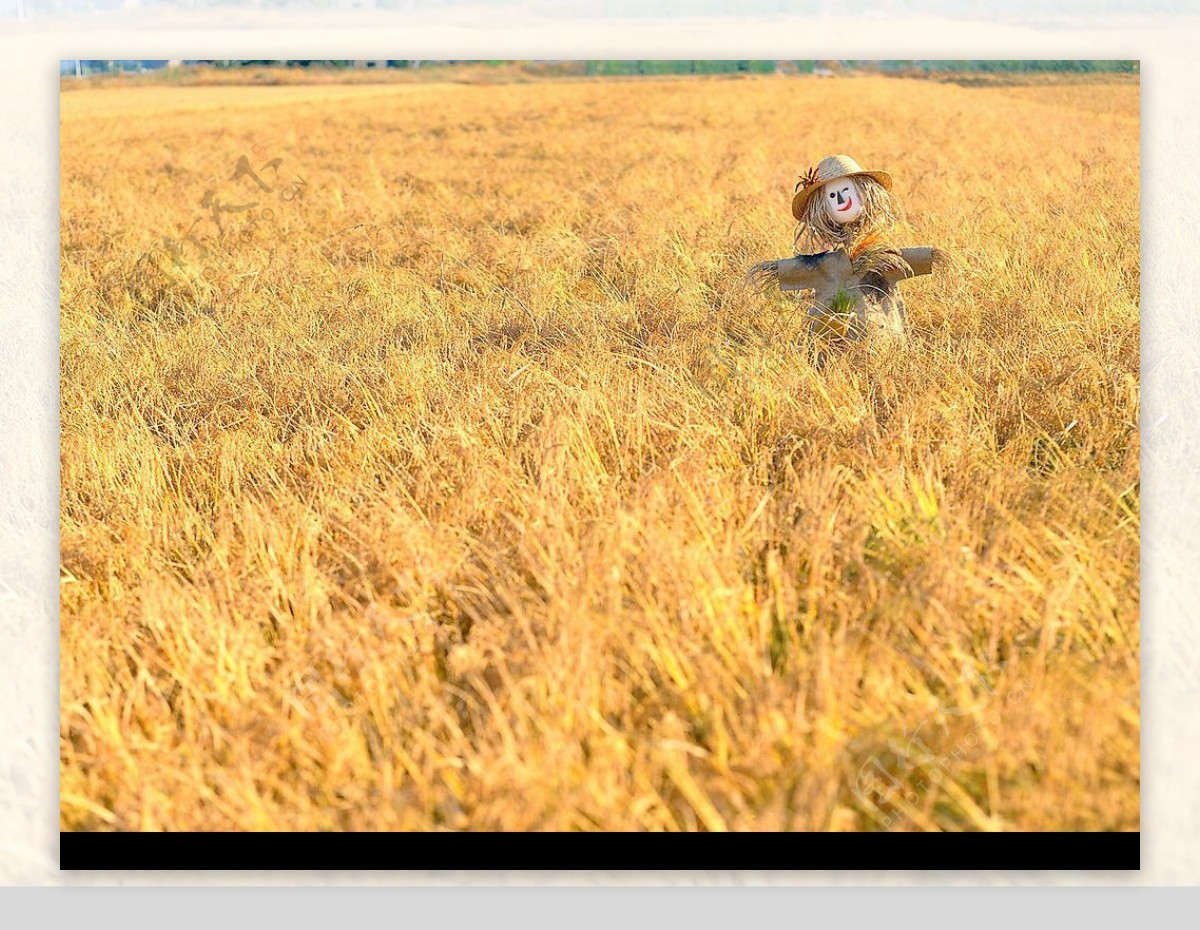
763 275
922 259
802 272
919 258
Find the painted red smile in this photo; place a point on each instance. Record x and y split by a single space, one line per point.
849 204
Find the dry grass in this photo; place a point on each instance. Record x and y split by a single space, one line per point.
473 490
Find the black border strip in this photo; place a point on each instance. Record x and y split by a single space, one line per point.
571 851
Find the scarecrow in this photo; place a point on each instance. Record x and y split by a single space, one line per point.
845 215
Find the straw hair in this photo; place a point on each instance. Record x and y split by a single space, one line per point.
829 169
817 231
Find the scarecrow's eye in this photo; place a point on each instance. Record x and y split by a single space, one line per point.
832 194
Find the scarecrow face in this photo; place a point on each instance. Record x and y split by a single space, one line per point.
843 200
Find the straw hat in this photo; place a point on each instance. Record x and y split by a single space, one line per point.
830 169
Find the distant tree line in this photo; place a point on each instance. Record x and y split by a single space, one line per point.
690 67
645 67
1007 65
99 66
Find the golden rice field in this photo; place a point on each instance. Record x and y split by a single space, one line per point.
470 489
